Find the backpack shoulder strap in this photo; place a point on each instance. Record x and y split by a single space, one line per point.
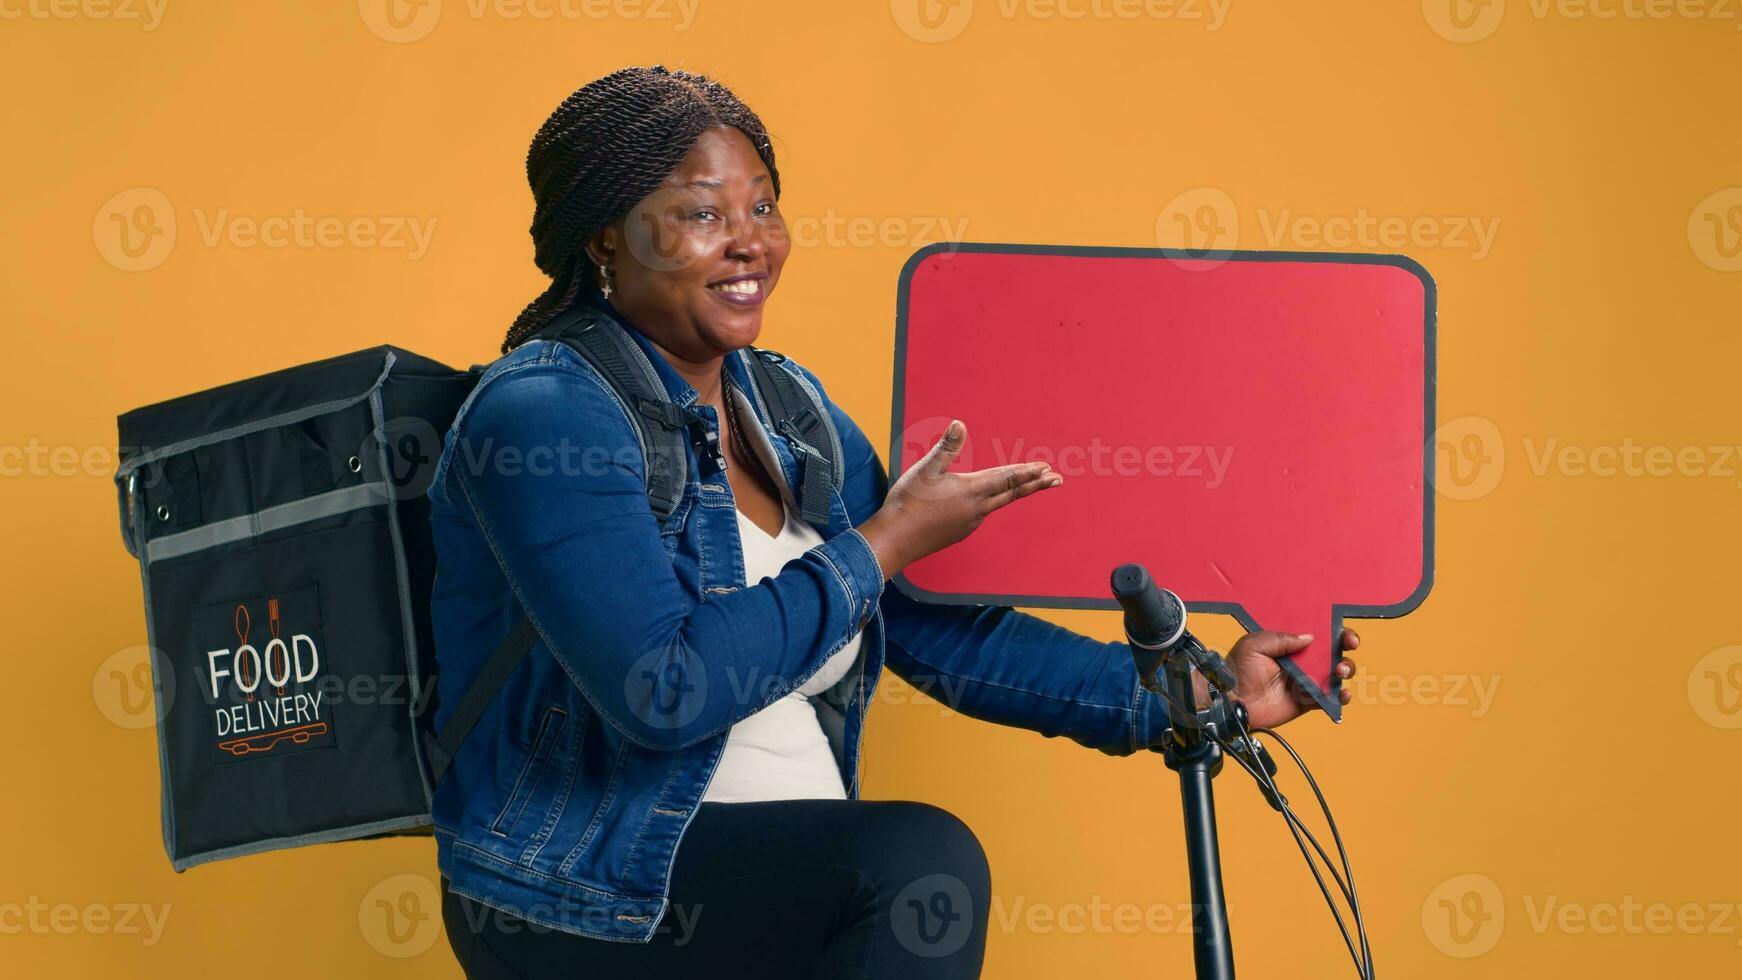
660 427
797 411
439 748
602 341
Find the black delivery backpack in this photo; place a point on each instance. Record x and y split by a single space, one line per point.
284 549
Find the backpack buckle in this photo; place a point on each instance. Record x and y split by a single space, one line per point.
661 412
709 459
804 420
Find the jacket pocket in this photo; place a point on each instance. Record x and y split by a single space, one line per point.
533 773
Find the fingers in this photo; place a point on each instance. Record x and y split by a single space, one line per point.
944 451
1351 639
1019 481
1346 669
998 479
1276 645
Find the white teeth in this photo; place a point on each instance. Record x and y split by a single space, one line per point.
747 287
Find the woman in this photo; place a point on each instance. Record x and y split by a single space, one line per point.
668 786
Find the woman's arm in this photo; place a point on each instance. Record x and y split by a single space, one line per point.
549 469
996 663
999 664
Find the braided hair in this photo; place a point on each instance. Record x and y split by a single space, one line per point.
602 151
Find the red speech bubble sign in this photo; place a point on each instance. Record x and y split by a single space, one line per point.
1252 426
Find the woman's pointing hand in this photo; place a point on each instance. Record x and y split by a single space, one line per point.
929 508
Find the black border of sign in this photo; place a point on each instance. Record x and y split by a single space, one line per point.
1329 701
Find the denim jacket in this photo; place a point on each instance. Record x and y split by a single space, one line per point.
566 804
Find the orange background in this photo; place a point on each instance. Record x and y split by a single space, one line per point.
1489 834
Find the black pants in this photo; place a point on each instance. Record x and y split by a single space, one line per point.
845 889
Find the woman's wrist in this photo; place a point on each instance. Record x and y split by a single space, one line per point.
883 545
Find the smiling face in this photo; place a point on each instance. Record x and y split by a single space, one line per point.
695 261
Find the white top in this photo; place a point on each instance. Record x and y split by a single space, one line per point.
780 752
